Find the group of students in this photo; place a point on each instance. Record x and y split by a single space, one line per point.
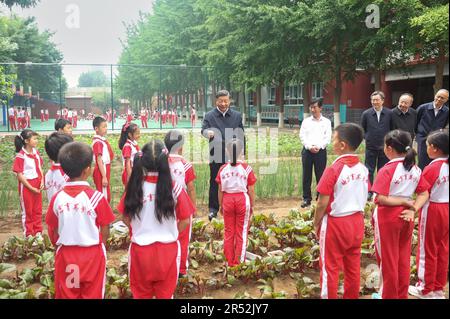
19 118
339 216
158 205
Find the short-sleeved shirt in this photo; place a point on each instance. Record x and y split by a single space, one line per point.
235 179
29 164
394 180
101 146
146 229
55 179
346 181
436 174
11 111
77 212
181 171
129 150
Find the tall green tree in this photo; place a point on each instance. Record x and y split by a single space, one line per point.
93 79
432 26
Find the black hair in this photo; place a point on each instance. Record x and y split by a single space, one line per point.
19 140
222 93
153 158
53 144
127 128
174 140
74 158
97 121
318 101
401 142
380 93
61 124
350 133
235 149
439 139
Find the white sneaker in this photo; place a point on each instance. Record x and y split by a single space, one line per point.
417 292
439 294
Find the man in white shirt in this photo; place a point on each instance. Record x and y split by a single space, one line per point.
315 135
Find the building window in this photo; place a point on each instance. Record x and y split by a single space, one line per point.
293 94
317 90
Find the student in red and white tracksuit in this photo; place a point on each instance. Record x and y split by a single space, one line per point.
75 118
74 218
42 116
78 219
433 253
236 196
55 179
154 255
339 216
129 116
392 220
28 167
183 173
47 116
193 115
129 136
144 118
103 155
12 116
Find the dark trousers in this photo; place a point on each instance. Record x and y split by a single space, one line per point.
375 159
214 187
319 161
424 160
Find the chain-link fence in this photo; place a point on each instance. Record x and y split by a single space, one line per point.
154 97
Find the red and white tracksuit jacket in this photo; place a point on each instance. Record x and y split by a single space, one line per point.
432 256
346 181
129 150
391 233
12 115
101 146
154 255
30 165
236 208
55 179
183 173
76 214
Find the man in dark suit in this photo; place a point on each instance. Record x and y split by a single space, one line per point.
376 122
220 125
404 117
430 117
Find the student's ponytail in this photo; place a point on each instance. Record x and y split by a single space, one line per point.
19 140
165 203
410 158
401 142
134 193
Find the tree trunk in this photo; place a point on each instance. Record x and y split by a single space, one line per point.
377 76
280 90
440 62
306 99
258 106
337 97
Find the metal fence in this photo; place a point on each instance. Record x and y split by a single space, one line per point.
153 96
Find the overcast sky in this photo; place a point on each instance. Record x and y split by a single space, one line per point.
94 37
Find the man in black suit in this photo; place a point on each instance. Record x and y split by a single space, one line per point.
404 117
376 122
430 117
220 125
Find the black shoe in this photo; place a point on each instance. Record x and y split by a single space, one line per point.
212 215
306 203
369 197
